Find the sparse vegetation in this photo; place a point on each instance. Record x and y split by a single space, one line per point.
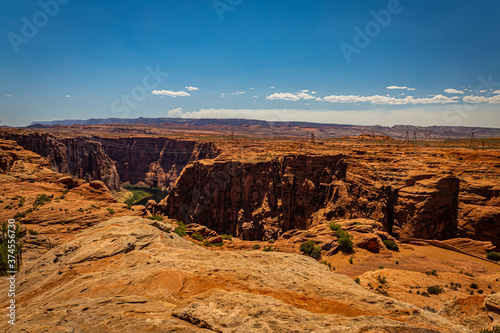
496 329
391 245
474 285
397 262
428 308
380 267
81 210
311 249
345 240
7 248
111 210
357 280
495 256
271 241
435 290
324 262
181 229
41 200
382 279
156 218
267 248
334 226
425 293
469 274
351 260
197 237
227 237
32 232
256 247
433 272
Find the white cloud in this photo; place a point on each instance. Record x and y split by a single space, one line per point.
251 88
387 100
303 95
496 92
283 96
304 91
482 91
397 87
8 95
191 88
175 113
233 94
170 93
428 115
68 96
255 96
313 92
482 99
453 91
272 87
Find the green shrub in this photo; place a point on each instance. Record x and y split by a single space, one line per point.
474 285
256 247
469 274
357 280
496 329
382 279
345 240
156 218
334 226
197 237
425 293
309 248
41 200
181 229
227 237
351 260
81 210
391 245
111 210
18 216
267 248
380 267
271 241
433 272
495 256
435 290
32 232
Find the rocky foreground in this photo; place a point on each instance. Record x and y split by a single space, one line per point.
132 274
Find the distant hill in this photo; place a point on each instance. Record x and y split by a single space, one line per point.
294 129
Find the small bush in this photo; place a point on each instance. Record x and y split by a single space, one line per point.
425 293
81 210
197 237
334 226
351 260
357 280
380 267
18 216
435 290
311 249
496 329
267 248
156 218
428 308
469 274
480 291
227 237
32 232
495 256
111 210
271 241
397 262
41 200
474 285
181 229
382 279
433 272
345 240
256 247
391 245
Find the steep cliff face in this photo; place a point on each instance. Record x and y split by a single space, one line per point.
80 157
255 200
155 161
263 200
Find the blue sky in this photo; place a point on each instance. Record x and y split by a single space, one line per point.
358 62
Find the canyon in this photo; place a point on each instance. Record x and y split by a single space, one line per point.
440 204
